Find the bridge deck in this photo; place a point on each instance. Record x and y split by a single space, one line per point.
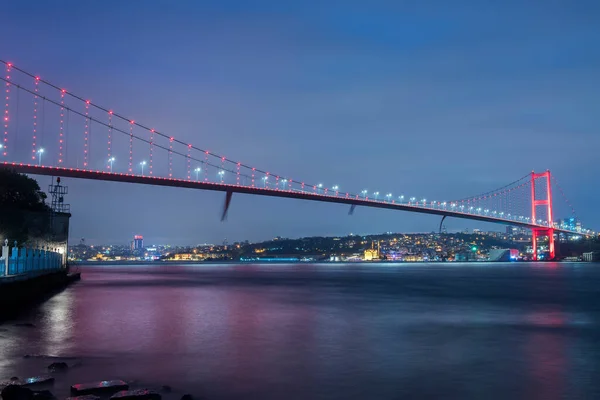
293 194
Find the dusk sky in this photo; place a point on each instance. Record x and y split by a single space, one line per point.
437 99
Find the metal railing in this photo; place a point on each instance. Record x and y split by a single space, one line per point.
22 260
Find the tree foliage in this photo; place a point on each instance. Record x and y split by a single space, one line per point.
24 215
20 192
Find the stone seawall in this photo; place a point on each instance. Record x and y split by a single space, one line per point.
17 294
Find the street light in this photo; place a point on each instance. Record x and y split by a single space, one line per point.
376 194
143 164
221 173
197 171
319 186
336 188
40 152
389 196
265 179
111 161
401 198
283 183
364 193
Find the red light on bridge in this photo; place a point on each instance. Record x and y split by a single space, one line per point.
132 122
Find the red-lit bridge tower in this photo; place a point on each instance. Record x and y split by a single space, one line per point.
546 202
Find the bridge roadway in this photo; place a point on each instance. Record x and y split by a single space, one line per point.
292 194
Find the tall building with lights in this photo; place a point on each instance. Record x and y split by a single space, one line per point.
138 243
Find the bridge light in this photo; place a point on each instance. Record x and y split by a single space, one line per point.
40 152
143 164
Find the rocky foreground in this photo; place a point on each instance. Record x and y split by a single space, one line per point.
38 388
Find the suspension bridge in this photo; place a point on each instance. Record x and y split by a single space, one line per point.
48 130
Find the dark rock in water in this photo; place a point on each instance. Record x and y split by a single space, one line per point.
26 325
58 367
166 388
103 387
43 395
187 397
16 392
14 378
38 380
141 394
84 397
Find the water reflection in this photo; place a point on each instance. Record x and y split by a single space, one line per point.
352 332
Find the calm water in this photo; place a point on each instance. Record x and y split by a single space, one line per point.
331 331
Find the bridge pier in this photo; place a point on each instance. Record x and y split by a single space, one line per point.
535 234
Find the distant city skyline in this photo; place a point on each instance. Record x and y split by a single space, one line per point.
441 100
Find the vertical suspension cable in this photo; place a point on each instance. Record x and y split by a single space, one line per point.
171 157
109 141
131 146
85 134
43 127
253 171
206 166
6 111
189 161
35 105
151 149
67 135
61 129
237 178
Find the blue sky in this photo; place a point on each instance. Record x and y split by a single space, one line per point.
436 98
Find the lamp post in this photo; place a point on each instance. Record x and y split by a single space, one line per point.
143 164
111 161
265 179
336 188
197 171
376 194
221 174
40 152
364 193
